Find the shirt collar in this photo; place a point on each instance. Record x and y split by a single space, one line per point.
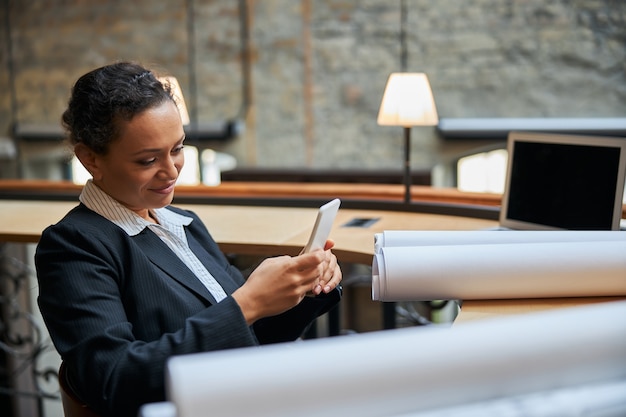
97 200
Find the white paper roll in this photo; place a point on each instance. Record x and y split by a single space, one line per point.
394 238
605 399
500 271
392 372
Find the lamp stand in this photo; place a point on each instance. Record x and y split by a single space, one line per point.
407 165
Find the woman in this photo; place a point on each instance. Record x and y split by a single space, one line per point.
126 281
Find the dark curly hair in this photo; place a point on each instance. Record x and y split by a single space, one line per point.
107 95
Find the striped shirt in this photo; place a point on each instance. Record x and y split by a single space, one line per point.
170 229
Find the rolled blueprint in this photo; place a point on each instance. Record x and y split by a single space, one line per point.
409 370
393 238
606 399
500 271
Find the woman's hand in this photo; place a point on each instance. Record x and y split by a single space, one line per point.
280 283
331 277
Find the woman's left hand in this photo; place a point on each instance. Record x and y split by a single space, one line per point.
332 276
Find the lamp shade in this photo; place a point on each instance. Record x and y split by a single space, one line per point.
178 97
408 101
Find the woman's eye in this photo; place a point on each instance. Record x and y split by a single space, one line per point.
178 149
148 161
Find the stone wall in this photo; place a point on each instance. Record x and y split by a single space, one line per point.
317 69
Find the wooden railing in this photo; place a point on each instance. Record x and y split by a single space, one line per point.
428 199
360 196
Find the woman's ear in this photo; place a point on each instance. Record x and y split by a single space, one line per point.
88 158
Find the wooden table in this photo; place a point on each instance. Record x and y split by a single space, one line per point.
486 309
253 230
267 231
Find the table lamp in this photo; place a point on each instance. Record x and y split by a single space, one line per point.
407 102
177 92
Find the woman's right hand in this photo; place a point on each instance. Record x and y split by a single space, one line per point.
279 284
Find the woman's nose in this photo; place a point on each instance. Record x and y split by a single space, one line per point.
173 165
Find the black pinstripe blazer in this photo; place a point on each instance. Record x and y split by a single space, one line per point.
118 306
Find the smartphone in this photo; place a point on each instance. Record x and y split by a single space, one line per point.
323 225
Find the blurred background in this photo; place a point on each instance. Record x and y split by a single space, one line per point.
291 86
298 84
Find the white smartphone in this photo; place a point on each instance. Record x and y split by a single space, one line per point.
323 225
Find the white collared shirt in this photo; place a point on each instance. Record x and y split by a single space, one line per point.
169 229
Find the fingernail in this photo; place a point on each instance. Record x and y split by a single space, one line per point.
327 288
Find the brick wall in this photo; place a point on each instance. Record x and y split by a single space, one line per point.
318 68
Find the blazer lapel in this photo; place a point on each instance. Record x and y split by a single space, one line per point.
214 268
163 257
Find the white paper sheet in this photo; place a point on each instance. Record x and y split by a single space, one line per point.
606 399
498 265
408 370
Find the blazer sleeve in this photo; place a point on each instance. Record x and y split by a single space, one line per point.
291 324
84 270
287 326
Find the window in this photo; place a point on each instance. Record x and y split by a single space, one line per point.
482 172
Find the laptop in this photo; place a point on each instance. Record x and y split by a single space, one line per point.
563 182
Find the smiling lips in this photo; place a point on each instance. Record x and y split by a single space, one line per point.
165 190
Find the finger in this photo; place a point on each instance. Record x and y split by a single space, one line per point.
329 244
310 258
330 262
319 280
308 275
334 281
335 277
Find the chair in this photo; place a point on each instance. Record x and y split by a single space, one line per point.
72 405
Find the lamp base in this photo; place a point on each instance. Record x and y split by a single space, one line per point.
407 165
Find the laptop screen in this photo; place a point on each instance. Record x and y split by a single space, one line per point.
563 182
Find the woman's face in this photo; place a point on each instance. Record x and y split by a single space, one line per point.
143 163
